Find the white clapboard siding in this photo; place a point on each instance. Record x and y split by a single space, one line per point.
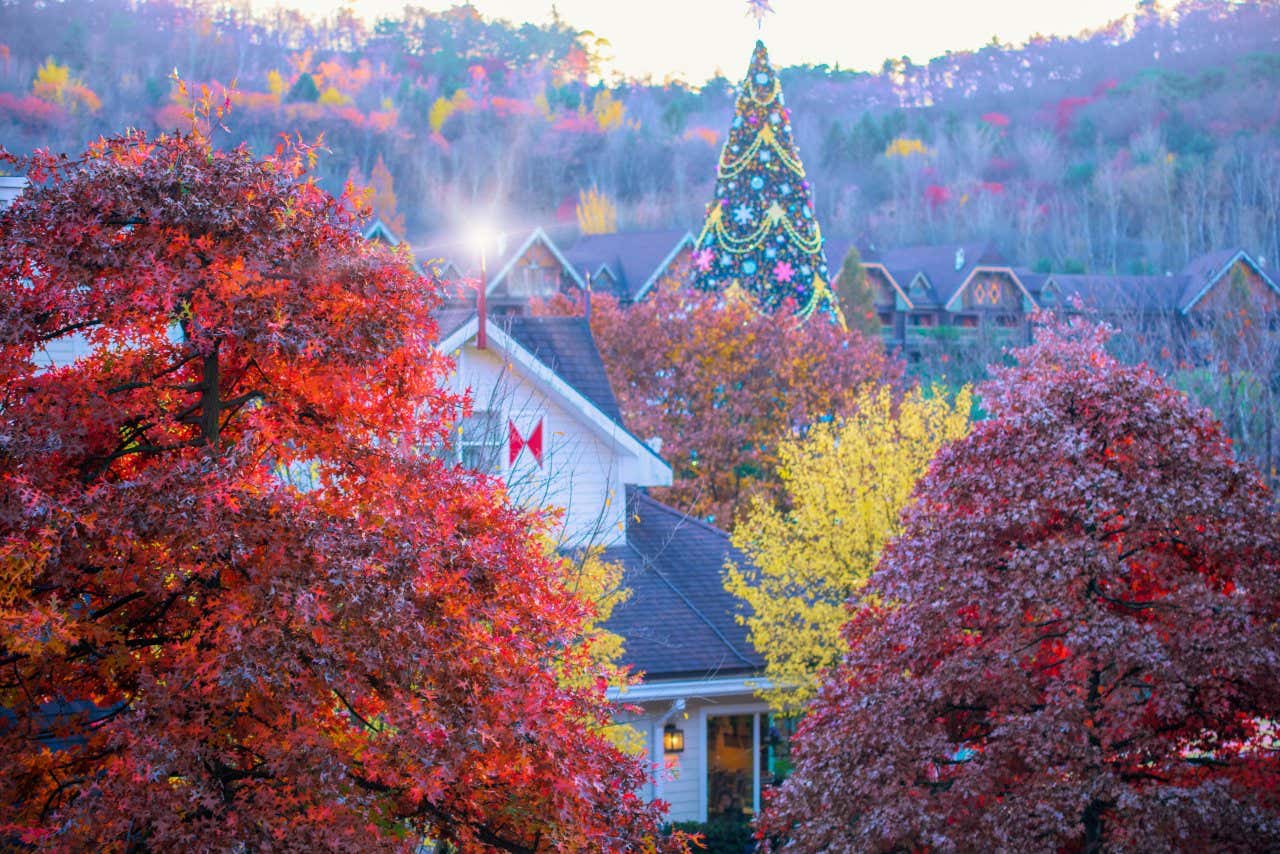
580 472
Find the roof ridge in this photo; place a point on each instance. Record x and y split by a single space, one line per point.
681 515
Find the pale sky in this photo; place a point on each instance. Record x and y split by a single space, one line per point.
692 38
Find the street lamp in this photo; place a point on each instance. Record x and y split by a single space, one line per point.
481 237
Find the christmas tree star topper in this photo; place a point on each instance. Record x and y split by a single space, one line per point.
758 9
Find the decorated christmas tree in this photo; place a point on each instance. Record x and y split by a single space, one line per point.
761 234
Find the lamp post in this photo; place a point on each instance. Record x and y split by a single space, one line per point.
480 237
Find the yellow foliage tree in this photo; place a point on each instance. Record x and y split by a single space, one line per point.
598 581
276 84
55 84
607 110
331 97
906 147
597 214
846 483
439 113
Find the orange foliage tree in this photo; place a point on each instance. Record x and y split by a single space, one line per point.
722 385
240 606
384 197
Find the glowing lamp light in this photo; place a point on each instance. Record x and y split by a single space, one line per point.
481 238
672 739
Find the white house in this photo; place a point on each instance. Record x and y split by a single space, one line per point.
547 421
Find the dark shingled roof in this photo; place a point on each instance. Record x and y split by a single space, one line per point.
679 621
1201 271
449 320
1122 293
632 256
565 345
938 264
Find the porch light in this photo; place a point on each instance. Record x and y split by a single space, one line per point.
672 739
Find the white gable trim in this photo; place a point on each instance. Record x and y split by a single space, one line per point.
1241 255
652 471
378 228
687 240
892 281
536 235
953 303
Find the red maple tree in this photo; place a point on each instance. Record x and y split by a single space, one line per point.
240 606
1073 646
721 384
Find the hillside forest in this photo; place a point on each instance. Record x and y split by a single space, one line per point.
1130 148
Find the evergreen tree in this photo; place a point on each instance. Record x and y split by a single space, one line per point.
303 89
761 234
855 294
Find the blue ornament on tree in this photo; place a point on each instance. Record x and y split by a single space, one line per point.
748 267
762 78
757 183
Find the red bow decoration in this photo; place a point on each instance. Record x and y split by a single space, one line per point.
517 443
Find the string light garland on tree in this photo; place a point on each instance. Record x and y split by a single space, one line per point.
761 235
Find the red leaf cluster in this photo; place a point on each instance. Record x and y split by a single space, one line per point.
1074 643
722 384
240 606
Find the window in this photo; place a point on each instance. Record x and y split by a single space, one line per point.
532 280
745 752
480 442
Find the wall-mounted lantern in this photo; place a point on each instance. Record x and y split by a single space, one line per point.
672 739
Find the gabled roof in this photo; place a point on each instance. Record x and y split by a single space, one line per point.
679 620
1150 294
378 230
1204 272
535 236
565 345
1121 293
558 342
635 259
1034 282
937 264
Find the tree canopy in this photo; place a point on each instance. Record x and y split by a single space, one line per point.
844 485
723 385
1072 646
240 604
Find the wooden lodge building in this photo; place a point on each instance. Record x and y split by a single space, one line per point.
929 296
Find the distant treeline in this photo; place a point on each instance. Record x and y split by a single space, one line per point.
1130 149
